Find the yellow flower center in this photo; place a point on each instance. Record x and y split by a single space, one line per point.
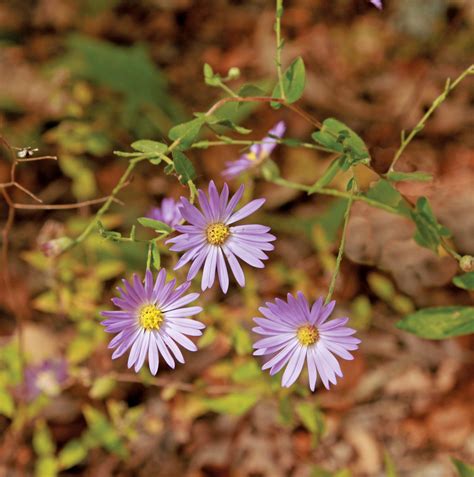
151 318
217 233
307 335
251 156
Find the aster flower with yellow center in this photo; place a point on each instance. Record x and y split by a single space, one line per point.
212 242
294 333
256 154
153 321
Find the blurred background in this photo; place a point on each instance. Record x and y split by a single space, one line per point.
80 79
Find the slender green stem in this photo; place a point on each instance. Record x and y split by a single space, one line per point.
228 90
246 142
149 256
105 207
340 252
436 103
335 193
279 46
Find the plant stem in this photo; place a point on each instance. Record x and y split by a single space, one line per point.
335 193
279 46
149 256
105 207
340 252
436 103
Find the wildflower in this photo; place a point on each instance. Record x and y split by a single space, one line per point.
211 236
46 378
168 212
295 333
377 3
257 154
153 319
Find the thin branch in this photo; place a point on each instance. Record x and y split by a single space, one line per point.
77 205
436 103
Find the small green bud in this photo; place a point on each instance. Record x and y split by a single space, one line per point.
53 248
467 263
233 73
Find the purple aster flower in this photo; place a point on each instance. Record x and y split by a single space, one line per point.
210 240
47 378
377 3
152 319
257 153
295 333
168 212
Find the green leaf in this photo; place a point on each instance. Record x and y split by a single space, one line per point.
234 404
464 470
226 123
186 132
42 440
270 170
384 193
241 341
395 176
390 469
294 79
247 90
246 372
46 467
73 453
184 167
149 146
440 322
103 432
311 417
465 281
127 70
7 405
102 387
155 225
428 230
337 137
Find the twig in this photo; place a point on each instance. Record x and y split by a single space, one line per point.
340 252
421 124
78 205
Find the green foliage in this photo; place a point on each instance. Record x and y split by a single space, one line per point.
43 443
101 432
234 404
187 132
463 469
429 232
184 167
419 176
384 193
149 146
390 469
439 322
294 79
338 137
102 387
311 417
465 281
126 70
156 225
83 180
7 405
73 453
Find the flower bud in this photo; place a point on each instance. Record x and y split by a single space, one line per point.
233 73
53 248
467 263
